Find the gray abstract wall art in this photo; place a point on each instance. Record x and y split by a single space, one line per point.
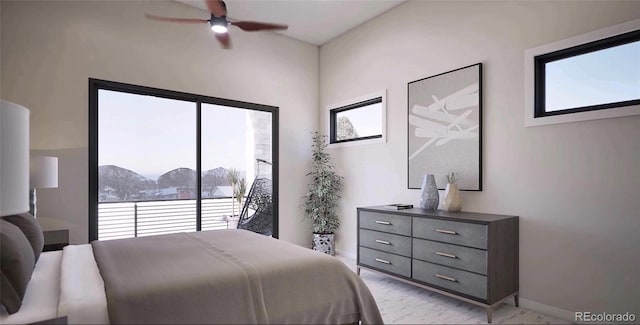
445 128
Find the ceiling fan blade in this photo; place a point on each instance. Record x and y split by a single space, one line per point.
216 7
176 20
252 26
224 40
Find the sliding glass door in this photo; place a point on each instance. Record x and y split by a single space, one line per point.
236 152
164 162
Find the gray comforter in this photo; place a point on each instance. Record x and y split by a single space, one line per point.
228 277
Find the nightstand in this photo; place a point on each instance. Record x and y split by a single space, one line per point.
55 239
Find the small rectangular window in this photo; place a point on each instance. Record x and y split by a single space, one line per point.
598 75
360 120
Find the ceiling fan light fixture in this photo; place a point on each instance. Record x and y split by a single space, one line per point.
219 24
219 29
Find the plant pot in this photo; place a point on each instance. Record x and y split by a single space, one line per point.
324 243
452 199
232 222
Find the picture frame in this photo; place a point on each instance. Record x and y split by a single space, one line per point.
444 128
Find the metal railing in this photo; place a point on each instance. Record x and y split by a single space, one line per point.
147 218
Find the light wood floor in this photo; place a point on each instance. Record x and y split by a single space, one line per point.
401 303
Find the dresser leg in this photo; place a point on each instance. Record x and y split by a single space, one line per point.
515 298
489 314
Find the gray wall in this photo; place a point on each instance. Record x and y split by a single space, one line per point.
49 49
575 186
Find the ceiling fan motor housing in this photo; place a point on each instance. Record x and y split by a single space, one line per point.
218 21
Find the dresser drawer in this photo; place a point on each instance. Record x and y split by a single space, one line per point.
385 242
445 277
396 224
385 261
460 257
460 233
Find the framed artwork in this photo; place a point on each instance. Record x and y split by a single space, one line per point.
445 128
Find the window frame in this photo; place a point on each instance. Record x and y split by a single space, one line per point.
95 85
540 62
535 60
355 103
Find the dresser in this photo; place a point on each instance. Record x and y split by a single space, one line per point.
469 256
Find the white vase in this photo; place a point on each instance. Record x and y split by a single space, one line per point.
452 199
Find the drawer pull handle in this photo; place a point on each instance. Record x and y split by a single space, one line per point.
387 223
446 255
444 277
382 261
383 242
448 232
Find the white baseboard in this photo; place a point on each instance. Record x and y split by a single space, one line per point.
346 254
545 309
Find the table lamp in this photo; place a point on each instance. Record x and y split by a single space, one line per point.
14 158
44 174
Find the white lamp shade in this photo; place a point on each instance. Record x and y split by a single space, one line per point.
14 158
44 172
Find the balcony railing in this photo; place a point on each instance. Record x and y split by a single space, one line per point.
146 218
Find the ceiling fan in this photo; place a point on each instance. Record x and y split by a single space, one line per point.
219 22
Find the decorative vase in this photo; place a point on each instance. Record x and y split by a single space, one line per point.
324 243
429 197
452 199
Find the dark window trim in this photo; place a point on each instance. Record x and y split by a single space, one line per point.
198 166
332 120
96 84
540 62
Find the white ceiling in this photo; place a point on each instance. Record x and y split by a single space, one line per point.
312 21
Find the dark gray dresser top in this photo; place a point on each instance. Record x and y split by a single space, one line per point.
472 217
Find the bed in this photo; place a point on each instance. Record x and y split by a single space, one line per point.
219 276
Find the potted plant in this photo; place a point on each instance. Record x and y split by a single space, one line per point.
240 191
233 176
322 197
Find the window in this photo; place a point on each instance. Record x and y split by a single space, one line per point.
359 120
596 75
148 146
